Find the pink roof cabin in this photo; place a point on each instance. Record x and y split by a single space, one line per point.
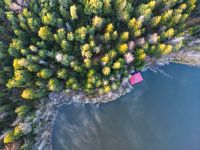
136 78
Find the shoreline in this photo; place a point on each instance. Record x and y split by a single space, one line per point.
190 58
48 109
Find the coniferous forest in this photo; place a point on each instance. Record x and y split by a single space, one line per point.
81 45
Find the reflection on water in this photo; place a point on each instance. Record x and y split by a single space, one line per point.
161 113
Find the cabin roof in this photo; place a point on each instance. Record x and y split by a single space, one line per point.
136 78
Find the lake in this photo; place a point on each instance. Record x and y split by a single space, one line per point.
161 113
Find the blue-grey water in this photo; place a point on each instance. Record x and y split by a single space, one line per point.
162 113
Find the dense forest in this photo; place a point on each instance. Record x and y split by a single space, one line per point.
80 45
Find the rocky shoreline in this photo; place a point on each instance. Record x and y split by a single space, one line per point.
191 58
47 110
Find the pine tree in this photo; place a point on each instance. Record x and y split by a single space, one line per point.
45 33
45 73
73 12
93 7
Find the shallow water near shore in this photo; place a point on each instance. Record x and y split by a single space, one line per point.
161 113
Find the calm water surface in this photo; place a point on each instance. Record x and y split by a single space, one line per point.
162 113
